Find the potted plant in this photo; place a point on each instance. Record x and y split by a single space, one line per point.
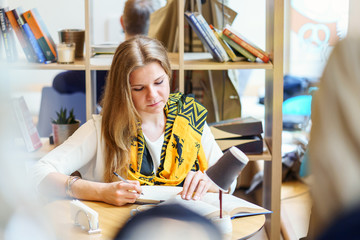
64 126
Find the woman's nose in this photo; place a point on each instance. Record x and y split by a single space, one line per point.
151 92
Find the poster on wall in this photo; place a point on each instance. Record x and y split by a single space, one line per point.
316 26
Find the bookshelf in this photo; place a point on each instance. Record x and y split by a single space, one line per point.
273 101
200 61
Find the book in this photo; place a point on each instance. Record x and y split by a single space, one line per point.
236 127
8 36
37 26
207 206
243 133
104 48
21 36
238 48
29 35
230 52
247 144
246 44
209 46
211 36
27 127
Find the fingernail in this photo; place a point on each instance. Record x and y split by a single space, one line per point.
188 197
183 196
196 198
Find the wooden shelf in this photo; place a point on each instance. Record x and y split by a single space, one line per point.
23 64
266 155
204 61
103 62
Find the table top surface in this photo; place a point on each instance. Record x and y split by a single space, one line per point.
112 218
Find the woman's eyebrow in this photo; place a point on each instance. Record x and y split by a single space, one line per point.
140 84
159 77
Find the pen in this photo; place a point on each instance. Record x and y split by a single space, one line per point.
122 179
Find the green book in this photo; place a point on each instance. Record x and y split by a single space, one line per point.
238 48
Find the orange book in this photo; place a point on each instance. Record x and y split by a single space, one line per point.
243 42
40 32
29 52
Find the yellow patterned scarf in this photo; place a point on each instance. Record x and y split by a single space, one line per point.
181 151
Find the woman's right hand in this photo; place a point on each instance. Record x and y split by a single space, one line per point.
121 193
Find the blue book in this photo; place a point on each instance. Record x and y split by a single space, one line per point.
195 25
8 36
30 36
205 26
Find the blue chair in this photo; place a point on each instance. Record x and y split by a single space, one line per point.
345 226
298 105
52 101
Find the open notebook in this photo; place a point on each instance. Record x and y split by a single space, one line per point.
208 206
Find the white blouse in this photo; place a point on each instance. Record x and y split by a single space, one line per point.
83 152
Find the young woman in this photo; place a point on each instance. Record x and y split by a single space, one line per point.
144 133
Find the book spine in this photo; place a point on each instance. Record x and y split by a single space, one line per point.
40 57
25 44
253 50
8 37
212 37
228 50
203 37
45 30
238 56
39 35
28 130
240 49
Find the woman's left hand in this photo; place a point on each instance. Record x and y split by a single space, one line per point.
195 186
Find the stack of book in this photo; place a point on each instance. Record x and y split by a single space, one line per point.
31 32
104 48
226 45
244 133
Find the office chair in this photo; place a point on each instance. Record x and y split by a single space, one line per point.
52 101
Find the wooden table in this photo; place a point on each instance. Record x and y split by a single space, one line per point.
112 218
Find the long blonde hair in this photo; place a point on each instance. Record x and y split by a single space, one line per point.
119 117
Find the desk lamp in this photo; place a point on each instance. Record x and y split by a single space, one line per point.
226 169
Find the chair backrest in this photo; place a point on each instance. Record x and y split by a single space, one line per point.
52 101
345 226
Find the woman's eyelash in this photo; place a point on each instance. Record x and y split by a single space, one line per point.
160 82
138 89
157 83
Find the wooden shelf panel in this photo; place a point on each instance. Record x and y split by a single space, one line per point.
204 61
174 60
23 64
266 155
192 61
103 62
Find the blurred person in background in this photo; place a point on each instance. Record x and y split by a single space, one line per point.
21 216
135 20
169 221
334 147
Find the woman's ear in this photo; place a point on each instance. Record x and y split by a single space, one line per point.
122 22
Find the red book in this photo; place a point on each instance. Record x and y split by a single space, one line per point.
29 132
243 42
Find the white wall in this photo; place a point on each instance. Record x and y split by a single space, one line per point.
251 22
56 14
106 21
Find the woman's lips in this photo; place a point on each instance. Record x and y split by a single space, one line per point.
154 105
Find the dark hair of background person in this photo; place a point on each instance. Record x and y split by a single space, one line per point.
142 9
169 221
